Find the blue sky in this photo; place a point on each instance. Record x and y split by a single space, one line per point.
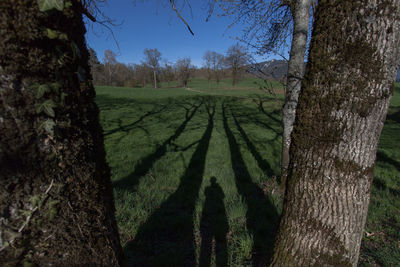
153 24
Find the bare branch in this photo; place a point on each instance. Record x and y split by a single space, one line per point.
179 15
91 9
86 12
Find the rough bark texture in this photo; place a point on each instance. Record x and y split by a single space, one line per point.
301 19
345 95
56 204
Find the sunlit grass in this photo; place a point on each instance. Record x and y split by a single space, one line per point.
381 243
165 145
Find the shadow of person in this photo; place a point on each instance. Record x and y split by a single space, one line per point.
167 237
214 226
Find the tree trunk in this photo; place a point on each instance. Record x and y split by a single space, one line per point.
109 74
155 78
56 204
342 108
301 18
234 76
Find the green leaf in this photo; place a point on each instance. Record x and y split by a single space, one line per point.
56 87
63 36
45 5
52 34
34 86
46 107
63 96
48 126
68 4
75 50
41 90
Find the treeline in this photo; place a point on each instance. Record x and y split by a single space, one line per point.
109 71
114 73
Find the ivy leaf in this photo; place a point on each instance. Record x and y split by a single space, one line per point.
63 36
41 90
46 107
45 5
68 4
34 86
56 87
63 96
52 34
48 126
75 50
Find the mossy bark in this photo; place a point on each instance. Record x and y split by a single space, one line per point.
342 107
56 204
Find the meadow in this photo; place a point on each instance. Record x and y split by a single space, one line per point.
196 174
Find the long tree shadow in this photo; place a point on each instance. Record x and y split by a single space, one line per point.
167 238
273 124
261 216
146 163
130 126
260 105
382 157
262 163
240 116
381 185
214 226
127 110
395 116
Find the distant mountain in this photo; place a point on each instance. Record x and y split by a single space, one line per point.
273 69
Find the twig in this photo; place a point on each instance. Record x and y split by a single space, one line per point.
88 15
51 185
179 15
80 230
151 176
27 220
34 209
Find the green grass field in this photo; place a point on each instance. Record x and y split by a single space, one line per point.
203 165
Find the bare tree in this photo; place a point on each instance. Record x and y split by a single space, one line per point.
93 59
112 72
342 107
184 70
213 63
168 73
153 57
56 203
271 25
143 73
96 67
208 64
236 59
217 62
124 75
110 60
301 14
